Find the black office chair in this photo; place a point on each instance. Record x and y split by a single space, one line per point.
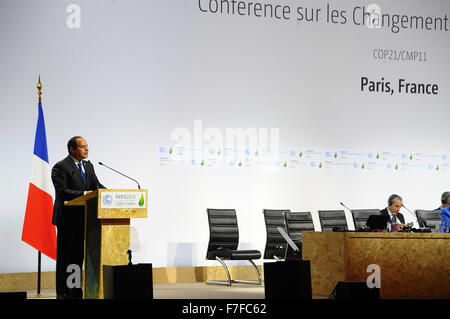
296 224
224 241
275 243
360 217
430 217
332 220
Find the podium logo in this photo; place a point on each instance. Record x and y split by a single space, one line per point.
141 201
107 199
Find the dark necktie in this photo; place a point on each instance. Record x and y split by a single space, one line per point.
82 173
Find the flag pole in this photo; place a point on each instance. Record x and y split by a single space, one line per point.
38 294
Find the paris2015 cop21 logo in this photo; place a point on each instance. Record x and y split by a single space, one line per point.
107 199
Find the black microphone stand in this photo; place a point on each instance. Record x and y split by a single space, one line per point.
422 223
139 186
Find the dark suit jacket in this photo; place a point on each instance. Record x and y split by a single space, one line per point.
69 184
400 216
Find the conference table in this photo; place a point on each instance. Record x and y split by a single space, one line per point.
410 265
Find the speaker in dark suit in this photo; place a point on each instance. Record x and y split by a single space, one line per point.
72 177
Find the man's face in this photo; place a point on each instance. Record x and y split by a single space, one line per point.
82 150
396 205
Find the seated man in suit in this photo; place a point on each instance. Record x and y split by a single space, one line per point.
396 219
445 200
445 212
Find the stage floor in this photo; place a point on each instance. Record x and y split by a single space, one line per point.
198 290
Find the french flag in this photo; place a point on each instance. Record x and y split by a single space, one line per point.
38 230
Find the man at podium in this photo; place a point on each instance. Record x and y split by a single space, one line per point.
72 177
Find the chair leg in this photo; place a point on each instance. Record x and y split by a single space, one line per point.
229 281
221 282
253 282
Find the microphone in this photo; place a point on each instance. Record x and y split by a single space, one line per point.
422 223
139 186
345 207
361 229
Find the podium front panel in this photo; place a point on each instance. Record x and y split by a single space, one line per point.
107 242
118 203
92 252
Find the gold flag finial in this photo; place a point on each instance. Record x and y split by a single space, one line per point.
39 87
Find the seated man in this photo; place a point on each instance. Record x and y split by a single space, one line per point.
396 219
445 200
445 212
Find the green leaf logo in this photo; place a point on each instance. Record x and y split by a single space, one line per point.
320 165
300 154
240 163
396 166
411 157
171 151
256 153
285 164
363 166
142 201
378 155
202 163
437 167
335 154
219 152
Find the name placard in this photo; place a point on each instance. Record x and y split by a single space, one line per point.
136 199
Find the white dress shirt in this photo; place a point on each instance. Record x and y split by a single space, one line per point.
397 220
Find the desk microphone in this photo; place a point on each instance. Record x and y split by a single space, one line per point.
364 228
139 186
421 222
345 207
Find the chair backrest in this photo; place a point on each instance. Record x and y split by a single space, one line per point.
296 223
330 219
431 217
223 231
360 216
275 243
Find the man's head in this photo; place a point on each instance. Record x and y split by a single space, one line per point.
445 199
395 202
78 148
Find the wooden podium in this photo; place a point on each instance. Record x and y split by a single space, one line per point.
107 231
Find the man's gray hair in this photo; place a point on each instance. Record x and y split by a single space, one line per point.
392 198
445 198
